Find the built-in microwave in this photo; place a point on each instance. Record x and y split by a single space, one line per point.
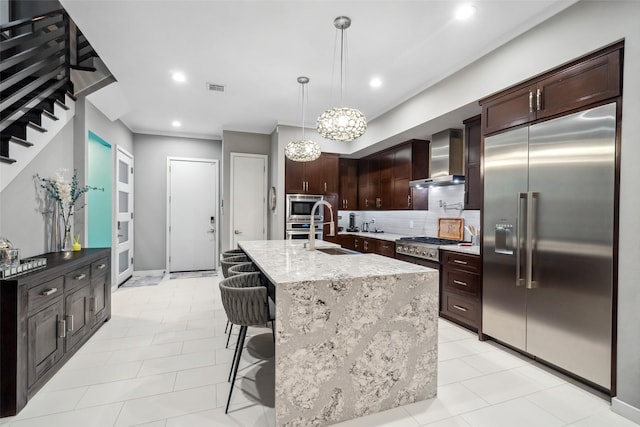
299 208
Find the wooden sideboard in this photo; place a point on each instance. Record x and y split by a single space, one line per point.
46 316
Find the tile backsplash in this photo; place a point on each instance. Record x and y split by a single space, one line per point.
444 202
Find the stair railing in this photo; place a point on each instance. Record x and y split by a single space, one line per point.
34 70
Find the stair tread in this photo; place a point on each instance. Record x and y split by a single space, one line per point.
5 159
70 95
62 104
36 127
20 141
50 115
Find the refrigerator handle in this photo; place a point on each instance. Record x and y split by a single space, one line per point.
520 281
530 283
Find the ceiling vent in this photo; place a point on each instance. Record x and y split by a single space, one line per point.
213 87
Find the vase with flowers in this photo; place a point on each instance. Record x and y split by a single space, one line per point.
65 194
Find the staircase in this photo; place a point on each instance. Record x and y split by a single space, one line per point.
38 57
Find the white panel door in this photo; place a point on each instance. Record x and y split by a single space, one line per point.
193 203
124 212
248 197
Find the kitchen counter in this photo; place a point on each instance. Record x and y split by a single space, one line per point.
355 334
471 250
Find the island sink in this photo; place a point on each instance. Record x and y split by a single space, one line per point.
337 251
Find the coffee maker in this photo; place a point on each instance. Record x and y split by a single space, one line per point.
352 222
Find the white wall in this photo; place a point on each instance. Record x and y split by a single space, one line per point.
150 191
22 218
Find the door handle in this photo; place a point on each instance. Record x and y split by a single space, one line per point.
530 283
212 230
62 328
69 321
237 232
519 280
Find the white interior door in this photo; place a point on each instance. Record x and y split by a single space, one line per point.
248 197
192 214
124 213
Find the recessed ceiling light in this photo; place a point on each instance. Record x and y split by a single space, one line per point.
176 124
178 77
465 11
375 82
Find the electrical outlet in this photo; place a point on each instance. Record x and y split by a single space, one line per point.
411 224
373 221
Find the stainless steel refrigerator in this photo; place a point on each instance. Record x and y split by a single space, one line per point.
548 256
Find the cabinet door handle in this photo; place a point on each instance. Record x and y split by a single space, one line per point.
101 266
530 101
458 282
62 328
459 308
408 201
49 292
79 276
69 320
325 187
459 261
538 99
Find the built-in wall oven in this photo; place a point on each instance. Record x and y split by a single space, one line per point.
298 230
298 219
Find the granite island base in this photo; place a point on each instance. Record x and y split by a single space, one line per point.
355 334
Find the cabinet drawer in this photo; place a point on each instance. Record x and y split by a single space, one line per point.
462 309
76 278
44 293
461 281
387 248
100 267
461 261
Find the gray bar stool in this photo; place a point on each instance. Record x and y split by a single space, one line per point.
243 267
245 300
232 252
225 264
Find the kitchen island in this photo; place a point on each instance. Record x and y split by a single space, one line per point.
355 334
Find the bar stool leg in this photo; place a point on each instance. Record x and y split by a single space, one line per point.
235 355
229 336
243 333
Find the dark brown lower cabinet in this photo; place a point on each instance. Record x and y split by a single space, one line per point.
47 315
371 245
461 289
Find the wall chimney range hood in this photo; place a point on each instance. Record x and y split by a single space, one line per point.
446 162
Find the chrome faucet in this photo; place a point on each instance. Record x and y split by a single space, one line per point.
312 228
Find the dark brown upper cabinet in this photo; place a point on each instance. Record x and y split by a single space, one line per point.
583 82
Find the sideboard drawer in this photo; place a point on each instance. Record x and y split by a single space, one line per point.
45 293
79 277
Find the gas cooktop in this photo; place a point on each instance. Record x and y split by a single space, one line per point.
429 240
422 246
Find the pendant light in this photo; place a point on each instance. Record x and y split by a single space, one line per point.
302 150
341 123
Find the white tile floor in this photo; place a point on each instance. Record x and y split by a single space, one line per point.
161 362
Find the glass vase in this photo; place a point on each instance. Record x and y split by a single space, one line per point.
67 244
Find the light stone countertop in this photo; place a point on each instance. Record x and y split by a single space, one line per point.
287 261
471 250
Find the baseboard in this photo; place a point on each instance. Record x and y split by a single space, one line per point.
625 410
